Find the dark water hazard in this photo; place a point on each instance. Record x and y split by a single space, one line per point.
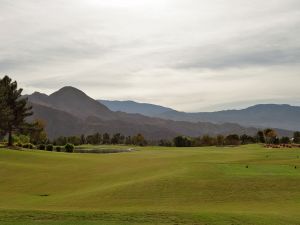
102 151
44 195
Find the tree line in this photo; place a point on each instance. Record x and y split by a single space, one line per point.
102 139
267 136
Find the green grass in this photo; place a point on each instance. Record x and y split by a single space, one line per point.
152 185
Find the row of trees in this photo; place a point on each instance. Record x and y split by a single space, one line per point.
206 140
14 109
98 139
268 136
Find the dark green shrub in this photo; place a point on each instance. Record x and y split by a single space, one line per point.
285 140
69 147
49 148
297 137
182 141
28 145
58 148
19 145
25 145
42 147
232 139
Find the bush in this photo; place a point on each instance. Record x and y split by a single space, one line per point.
285 140
232 139
27 145
206 140
42 147
165 143
58 148
69 147
49 148
19 145
23 139
182 141
297 137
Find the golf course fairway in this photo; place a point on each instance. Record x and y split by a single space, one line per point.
245 185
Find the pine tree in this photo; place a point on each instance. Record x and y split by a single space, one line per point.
14 108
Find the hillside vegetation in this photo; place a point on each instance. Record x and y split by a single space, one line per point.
151 185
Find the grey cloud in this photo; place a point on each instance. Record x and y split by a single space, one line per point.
150 50
267 47
223 60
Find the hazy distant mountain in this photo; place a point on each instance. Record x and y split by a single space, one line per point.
267 115
69 111
135 107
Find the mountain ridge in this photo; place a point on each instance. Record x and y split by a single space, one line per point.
129 106
281 116
71 112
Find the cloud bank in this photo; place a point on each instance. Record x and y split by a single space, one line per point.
192 55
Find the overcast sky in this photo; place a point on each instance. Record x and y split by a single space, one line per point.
192 55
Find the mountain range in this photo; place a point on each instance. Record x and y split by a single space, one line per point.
70 111
136 107
260 116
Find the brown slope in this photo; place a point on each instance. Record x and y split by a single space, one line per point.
73 101
58 123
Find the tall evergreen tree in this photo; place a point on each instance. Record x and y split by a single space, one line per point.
82 139
297 137
4 112
106 138
97 139
260 137
15 108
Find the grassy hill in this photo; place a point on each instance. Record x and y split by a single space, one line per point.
153 185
